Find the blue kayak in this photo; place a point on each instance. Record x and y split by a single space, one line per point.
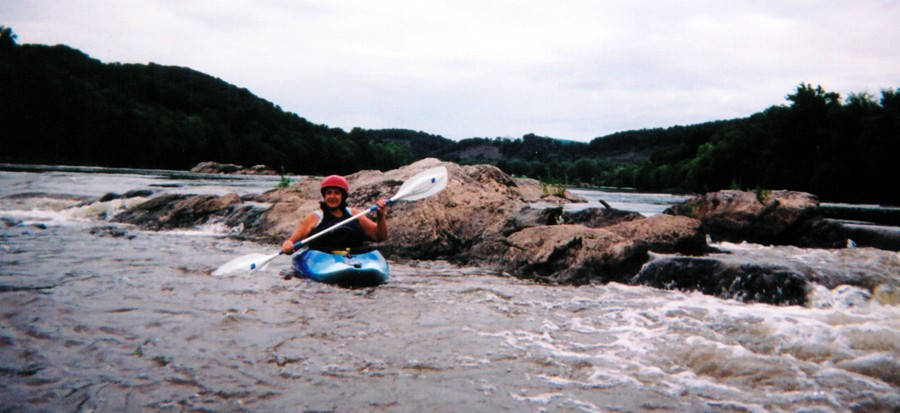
364 269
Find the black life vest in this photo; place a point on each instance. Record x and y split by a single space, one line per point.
349 235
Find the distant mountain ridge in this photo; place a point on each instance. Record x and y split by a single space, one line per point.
61 106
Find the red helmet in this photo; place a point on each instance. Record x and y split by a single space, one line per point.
335 181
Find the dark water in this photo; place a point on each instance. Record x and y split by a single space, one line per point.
102 317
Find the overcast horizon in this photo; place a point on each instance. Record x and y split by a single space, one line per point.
572 70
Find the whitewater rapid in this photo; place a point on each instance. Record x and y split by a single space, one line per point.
97 316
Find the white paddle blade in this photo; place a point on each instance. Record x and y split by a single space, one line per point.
424 184
245 263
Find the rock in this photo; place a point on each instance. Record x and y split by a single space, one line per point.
111 231
600 217
748 281
578 254
257 170
215 168
148 214
533 191
230 168
772 218
665 233
285 209
178 211
10 222
775 275
130 194
572 254
481 218
477 202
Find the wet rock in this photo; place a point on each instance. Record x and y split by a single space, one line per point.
145 193
821 233
111 231
875 236
776 275
744 281
10 222
572 254
600 217
766 218
178 211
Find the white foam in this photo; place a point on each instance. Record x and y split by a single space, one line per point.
54 212
103 211
543 398
209 229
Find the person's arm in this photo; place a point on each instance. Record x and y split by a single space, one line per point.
303 230
376 230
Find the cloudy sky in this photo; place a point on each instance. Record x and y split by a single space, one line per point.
464 68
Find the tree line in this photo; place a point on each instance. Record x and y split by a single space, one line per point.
839 149
60 106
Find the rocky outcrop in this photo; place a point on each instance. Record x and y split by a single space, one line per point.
478 200
572 254
483 217
488 219
769 218
783 275
172 211
786 218
230 168
746 281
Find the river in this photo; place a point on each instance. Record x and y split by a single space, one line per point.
97 316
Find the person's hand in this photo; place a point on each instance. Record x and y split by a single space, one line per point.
288 247
382 207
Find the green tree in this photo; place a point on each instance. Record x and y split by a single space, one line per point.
7 38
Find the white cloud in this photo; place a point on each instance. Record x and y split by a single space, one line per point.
573 69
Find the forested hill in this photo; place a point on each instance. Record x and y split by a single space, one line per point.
62 107
59 106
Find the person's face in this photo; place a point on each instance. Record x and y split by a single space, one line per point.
333 197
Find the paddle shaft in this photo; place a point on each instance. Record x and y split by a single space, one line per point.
303 242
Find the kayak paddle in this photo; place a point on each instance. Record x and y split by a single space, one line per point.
423 185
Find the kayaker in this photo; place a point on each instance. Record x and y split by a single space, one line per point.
334 209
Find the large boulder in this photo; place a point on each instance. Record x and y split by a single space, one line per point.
572 254
478 200
772 217
578 254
